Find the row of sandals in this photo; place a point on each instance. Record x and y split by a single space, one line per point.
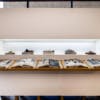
50 63
69 51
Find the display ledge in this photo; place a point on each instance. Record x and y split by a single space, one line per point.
50 69
57 57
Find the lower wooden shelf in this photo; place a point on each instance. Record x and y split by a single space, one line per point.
50 69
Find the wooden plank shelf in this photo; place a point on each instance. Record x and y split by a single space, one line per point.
50 69
57 57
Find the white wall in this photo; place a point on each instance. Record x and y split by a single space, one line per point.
46 83
50 23
1 4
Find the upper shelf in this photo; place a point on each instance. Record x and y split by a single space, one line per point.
58 57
